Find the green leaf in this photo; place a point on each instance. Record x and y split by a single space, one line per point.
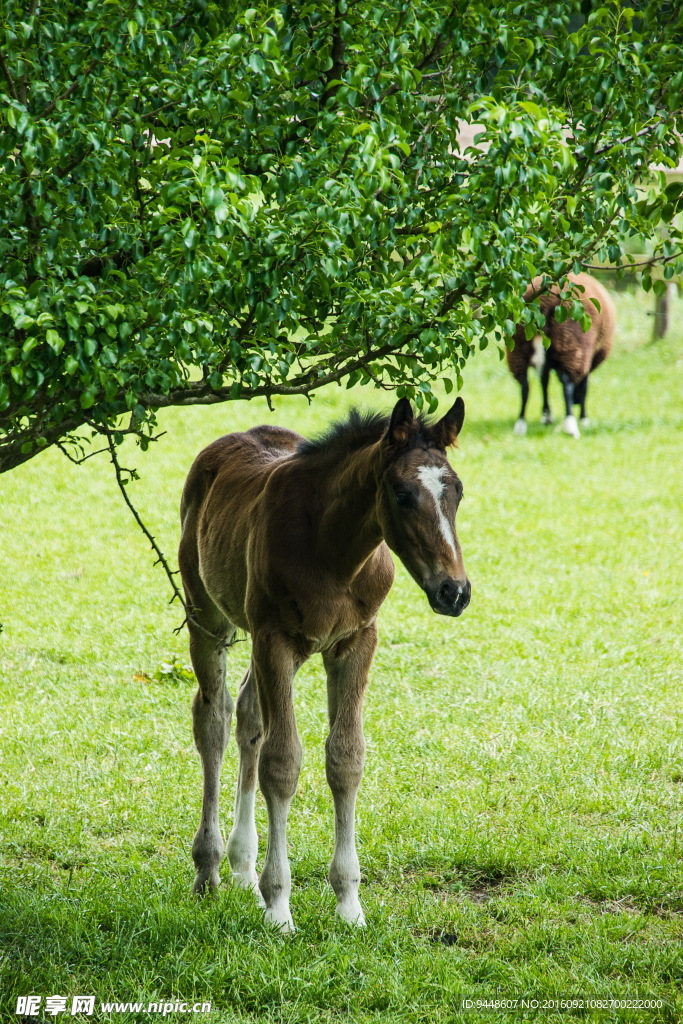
532 108
217 191
55 341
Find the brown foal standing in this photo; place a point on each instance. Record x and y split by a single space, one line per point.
289 540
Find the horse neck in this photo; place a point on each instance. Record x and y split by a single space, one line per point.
349 529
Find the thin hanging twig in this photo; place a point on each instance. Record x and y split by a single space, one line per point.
161 559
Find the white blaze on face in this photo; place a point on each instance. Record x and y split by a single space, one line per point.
432 478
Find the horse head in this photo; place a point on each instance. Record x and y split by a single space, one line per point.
418 500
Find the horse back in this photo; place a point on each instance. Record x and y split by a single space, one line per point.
581 352
235 458
218 503
576 351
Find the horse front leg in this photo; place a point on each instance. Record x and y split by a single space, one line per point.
519 429
569 426
347 667
243 841
279 765
546 415
211 715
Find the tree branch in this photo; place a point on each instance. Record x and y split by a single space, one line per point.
8 77
241 335
634 265
338 51
11 454
68 92
433 54
581 155
84 458
199 393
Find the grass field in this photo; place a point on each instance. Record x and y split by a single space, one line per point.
521 817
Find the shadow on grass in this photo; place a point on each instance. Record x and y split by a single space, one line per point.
478 882
497 429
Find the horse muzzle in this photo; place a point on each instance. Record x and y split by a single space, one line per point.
449 597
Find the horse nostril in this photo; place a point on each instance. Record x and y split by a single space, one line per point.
464 595
446 593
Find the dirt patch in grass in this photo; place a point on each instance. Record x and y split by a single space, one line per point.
668 907
476 884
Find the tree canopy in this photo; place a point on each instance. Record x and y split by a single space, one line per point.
210 201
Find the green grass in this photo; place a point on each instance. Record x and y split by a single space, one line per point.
520 821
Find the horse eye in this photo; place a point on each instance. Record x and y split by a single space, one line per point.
402 498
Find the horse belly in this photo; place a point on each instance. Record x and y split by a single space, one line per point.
572 350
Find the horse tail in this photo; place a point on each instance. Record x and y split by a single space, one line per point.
195 491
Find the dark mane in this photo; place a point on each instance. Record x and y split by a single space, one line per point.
347 435
358 430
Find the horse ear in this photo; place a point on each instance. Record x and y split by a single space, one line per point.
448 428
400 423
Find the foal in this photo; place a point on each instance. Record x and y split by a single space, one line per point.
289 539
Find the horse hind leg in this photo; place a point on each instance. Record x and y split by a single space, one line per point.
243 841
278 769
211 714
210 634
347 676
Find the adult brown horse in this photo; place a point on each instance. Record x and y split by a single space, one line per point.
289 539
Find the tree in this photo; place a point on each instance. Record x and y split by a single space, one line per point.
208 201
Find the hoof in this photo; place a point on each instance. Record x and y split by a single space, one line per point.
206 882
207 854
280 918
571 427
584 423
519 429
249 880
351 913
547 419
